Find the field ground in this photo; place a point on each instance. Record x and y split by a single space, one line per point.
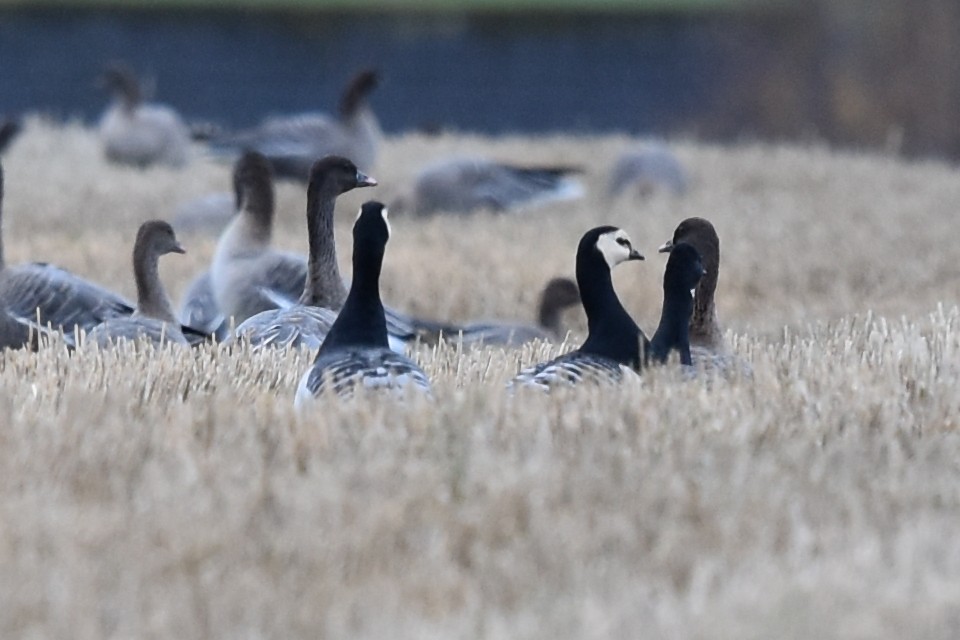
161 495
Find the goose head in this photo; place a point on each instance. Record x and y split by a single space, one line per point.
613 244
120 80
339 174
701 234
157 237
372 228
684 268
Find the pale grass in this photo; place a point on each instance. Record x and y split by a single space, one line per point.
160 494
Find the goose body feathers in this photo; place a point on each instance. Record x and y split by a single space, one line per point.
461 185
614 341
356 352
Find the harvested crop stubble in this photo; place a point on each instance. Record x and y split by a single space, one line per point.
165 493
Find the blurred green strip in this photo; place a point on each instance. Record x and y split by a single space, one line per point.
632 6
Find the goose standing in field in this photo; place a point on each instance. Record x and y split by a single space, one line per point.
683 273
558 295
293 143
248 276
153 320
615 345
651 168
462 185
356 351
138 133
42 294
307 322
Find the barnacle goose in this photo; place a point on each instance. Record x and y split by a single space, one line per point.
615 344
139 133
683 272
356 351
293 143
463 184
153 320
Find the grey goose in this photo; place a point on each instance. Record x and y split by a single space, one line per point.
647 170
464 184
293 143
136 132
615 346
356 351
153 320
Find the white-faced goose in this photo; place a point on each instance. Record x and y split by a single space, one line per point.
136 132
461 185
247 275
558 295
356 351
647 170
293 143
42 294
683 272
153 320
307 322
615 345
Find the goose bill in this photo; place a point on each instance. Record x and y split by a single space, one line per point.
666 247
635 255
363 180
178 248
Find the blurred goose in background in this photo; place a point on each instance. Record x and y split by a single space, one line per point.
293 143
683 273
153 320
246 274
462 185
558 295
356 351
647 170
43 294
307 322
138 133
9 129
615 346
206 214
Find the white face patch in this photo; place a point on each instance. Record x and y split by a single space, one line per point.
386 221
615 247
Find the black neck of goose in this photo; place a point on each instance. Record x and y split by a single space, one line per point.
152 300
128 92
612 333
673 332
324 286
361 321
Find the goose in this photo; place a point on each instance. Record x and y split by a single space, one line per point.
9 129
138 133
293 143
615 345
683 273
464 184
153 320
308 321
246 275
558 295
356 351
13 333
705 330
44 294
651 168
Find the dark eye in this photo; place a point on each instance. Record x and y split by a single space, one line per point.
623 242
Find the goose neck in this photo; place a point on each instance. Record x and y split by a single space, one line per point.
362 321
673 332
152 300
324 286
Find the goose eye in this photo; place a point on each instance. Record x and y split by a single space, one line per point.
623 242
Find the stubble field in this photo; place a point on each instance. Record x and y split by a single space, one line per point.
177 494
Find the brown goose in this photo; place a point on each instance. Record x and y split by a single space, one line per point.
293 143
138 133
153 320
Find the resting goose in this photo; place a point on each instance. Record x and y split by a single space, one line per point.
558 295
153 320
615 344
683 273
138 133
647 170
43 294
356 351
246 274
308 321
463 184
293 143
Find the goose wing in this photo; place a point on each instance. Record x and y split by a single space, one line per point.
571 369
62 299
200 311
341 371
298 326
135 328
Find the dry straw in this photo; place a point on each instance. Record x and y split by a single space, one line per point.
169 493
